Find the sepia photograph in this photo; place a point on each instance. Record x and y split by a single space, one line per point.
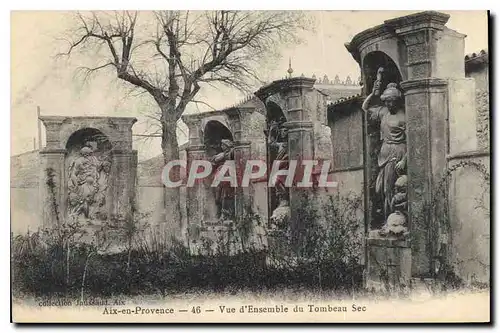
237 166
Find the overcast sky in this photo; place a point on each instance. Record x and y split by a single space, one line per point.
38 79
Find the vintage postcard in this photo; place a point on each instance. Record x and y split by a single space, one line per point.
250 166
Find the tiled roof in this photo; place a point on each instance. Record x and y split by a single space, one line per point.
344 100
248 101
475 61
472 56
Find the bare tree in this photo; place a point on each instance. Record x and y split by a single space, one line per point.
172 54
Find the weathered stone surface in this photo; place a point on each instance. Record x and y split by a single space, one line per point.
426 113
469 218
477 69
87 171
347 138
483 119
461 106
448 55
429 50
388 265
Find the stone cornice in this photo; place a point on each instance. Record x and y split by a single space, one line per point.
238 110
231 111
400 25
425 83
53 120
195 148
427 19
298 124
365 35
242 143
53 151
104 118
190 118
124 152
50 121
284 85
121 120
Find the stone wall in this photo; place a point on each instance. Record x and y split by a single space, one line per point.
469 216
346 123
149 197
476 67
24 192
469 185
149 193
345 119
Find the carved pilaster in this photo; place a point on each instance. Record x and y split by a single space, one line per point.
195 204
123 126
193 123
51 186
300 147
52 131
237 117
419 33
426 113
123 171
234 116
243 195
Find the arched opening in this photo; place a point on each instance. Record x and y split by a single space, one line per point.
87 168
82 137
214 133
219 146
375 197
372 62
274 112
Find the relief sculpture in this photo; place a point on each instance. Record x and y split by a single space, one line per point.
87 184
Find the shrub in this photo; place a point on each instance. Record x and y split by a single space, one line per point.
329 259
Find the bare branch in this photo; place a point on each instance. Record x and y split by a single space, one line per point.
172 55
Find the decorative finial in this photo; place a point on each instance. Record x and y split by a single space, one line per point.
290 70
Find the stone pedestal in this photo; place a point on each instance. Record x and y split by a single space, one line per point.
242 153
388 265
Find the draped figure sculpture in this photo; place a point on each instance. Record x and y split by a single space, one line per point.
277 135
224 192
82 183
87 184
392 157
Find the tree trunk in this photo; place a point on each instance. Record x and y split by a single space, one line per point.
170 149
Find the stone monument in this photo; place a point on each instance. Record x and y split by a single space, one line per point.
422 63
87 174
